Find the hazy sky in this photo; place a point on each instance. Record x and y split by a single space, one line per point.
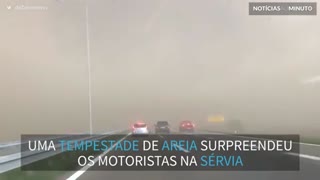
156 60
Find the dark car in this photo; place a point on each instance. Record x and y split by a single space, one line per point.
186 126
162 127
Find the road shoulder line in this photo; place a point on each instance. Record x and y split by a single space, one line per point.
85 168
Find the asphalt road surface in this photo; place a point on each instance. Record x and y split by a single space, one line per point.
309 169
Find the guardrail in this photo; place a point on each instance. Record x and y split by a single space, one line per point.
13 155
15 147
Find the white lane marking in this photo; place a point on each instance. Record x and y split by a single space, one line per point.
316 158
161 136
309 144
179 147
85 168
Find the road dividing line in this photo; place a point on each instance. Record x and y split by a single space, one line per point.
161 136
309 144
179 147
85 168
315 158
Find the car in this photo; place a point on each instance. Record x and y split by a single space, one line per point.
186 126
140 128
162 127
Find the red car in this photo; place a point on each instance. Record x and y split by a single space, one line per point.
186 126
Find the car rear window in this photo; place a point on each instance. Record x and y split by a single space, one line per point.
139 125
162 123
186 122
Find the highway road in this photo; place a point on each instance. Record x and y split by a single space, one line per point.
309 169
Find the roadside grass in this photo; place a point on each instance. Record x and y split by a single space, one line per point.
310 140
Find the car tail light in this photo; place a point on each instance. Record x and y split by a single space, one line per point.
188 124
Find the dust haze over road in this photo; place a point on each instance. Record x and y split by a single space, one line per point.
157 60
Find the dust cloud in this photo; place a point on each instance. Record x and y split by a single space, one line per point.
157 60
